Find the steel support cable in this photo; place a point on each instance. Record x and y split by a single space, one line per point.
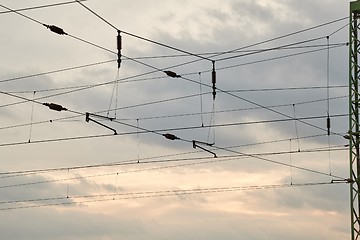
157 69
240 51
257 104
196 162
279 163
142 38
81 114
287 35
14 173
255 156
250 155
96 85
224 111
269 49
143 161
265 60
56 71
175 115
190 53
146 159
29 18
143 132
80 88
144 79
136 58
40 103
40 7
230 51
62 32
272 39
95 44
151 194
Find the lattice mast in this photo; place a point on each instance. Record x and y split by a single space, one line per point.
354 134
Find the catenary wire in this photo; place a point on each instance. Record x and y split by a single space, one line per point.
136 58
143 38
195 161
155 194
105 49
152 157
156 70
40 7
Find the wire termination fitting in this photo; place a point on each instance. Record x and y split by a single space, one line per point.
172 74
170 136
55 29
56 107
119 47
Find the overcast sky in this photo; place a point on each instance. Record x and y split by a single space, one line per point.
271 178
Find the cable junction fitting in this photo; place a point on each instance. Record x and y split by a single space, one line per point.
196 144
55 107
170 136
172 74
87 119
55 29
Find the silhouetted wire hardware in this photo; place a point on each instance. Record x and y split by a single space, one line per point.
56 107
119 47
170 136
87 119
55 29
172 74
196 144
328 125
348 180
213 78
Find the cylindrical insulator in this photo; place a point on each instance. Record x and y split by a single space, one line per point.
119 41
213 76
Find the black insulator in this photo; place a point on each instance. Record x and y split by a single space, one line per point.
56 29
213 80
119 59
213 77
87 117
172 74
328 126
119 41
54 106
214 93
119 47
170 136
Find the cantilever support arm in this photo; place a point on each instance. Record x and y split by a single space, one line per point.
195 145
87 119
